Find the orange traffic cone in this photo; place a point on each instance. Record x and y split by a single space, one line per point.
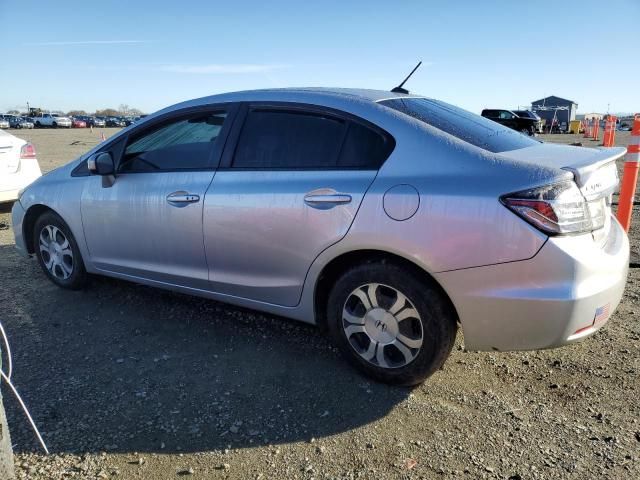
630 176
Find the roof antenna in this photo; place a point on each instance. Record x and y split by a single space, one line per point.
399 88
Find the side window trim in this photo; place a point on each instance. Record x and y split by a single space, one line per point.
245 107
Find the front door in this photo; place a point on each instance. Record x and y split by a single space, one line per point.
290 189
149 222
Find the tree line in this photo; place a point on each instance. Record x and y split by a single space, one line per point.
122 111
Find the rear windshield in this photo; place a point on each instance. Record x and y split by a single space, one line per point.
469 127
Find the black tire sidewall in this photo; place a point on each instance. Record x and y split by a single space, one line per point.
78 276
438 321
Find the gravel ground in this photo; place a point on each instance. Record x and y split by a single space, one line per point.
130 382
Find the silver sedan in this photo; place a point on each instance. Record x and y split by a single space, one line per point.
387 219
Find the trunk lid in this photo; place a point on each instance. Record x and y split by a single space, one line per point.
594 169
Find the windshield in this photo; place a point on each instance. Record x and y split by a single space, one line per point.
469 127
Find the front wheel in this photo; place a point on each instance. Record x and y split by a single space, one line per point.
58 253
391 323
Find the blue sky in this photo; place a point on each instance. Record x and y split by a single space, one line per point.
476 54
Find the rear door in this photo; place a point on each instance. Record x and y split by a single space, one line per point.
149 222
288 187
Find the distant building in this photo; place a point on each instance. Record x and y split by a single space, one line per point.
564 110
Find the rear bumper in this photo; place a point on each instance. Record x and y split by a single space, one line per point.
9 195
565 293
11 184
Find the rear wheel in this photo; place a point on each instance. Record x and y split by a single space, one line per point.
58 253
390 323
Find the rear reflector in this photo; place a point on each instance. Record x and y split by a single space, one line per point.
28 151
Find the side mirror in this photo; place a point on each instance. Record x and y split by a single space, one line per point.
101 164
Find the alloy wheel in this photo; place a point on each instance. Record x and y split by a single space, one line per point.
56 252
382 325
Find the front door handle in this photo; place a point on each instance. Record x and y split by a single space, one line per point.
182 198
324 201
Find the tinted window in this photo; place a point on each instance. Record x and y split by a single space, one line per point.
181 144
364 148
466 126
288 139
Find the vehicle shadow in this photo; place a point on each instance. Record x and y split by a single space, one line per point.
122 367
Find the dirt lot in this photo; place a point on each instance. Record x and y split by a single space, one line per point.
130 382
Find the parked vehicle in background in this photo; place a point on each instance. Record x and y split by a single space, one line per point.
54 120
99 122
114 122
387 218
533 116
4 123
18 166
509 119
20 122
78 123
84 118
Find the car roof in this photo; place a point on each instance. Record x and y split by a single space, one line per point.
302 95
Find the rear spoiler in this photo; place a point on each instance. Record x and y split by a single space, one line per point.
599 176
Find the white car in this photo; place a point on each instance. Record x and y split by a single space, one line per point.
54 120
18 166
4 123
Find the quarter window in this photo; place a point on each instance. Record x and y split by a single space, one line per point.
364 148
180 144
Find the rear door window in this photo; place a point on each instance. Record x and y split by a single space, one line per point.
279 139
276 139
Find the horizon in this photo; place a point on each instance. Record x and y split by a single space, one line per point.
475 56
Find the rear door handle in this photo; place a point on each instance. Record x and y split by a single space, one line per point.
182 198
324 201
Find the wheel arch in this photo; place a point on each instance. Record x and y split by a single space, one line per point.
29 222
340 264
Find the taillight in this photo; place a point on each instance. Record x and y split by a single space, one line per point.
557 209
28 151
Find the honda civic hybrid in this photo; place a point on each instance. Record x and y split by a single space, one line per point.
388 219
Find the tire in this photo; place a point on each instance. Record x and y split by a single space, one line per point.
54 125
399 292
38 125
58 253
